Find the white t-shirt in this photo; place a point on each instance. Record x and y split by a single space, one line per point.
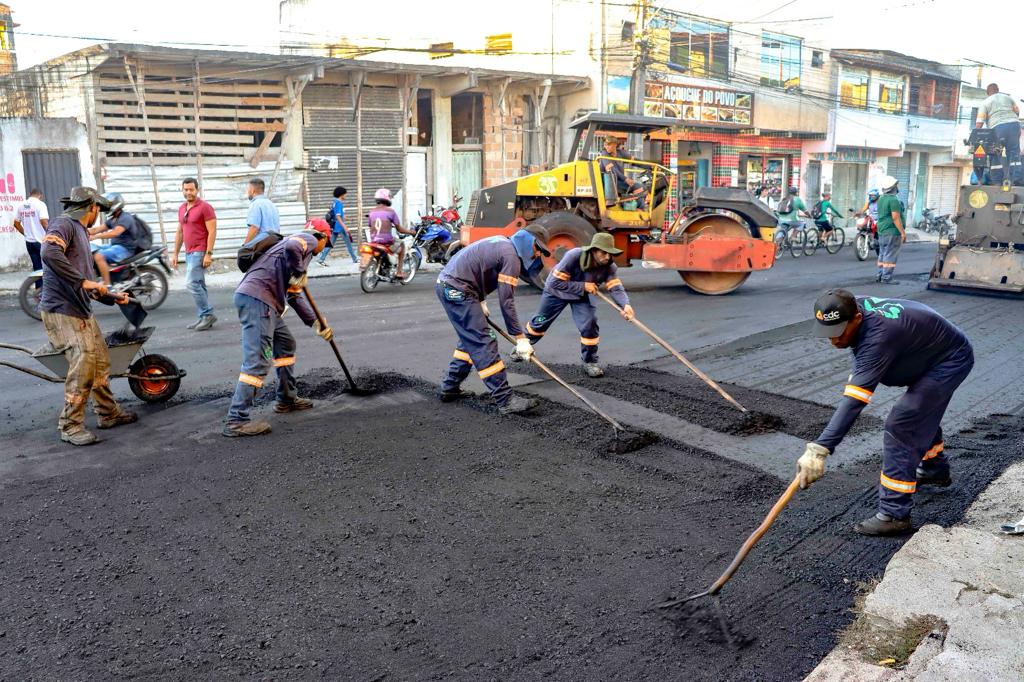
29 214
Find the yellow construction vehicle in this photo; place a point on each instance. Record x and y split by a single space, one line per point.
715 243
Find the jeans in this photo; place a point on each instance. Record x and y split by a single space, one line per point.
195 282
889 246
266 341
114 253
1009 135
35 255
348 245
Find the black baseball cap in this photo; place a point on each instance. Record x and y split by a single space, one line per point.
832 313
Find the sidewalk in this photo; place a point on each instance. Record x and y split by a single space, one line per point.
965 584
227 275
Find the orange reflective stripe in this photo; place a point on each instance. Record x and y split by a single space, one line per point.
284 362
858 393
533 332
613 283
54 239
509 280
462 355
589 342
934 451
493 369
899 486
250 380
564 276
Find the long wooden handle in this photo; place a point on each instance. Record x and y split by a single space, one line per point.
337 353
755 536
678 356
544 368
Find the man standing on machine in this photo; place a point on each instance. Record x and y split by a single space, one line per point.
1000 113
895 343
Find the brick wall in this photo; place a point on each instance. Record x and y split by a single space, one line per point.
501 166
728 147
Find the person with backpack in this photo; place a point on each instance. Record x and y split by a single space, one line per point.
122 230
274 280
789 210
336 219
822 214
197 230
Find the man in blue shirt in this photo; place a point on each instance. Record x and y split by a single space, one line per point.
895 343
263 215
336 219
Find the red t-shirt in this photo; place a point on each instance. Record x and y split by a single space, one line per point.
193 224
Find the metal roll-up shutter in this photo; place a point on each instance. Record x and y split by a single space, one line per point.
899 168
943 188
329 141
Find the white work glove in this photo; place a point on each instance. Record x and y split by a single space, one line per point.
323 331
524 349
811 465
298 281
483 304
628 313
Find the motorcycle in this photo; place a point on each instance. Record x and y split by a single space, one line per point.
933 223
867 236
379 263
138 276
433 236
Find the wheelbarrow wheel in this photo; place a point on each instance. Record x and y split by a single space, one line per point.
154 388
28 297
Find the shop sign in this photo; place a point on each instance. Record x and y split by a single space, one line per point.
699 104
851 155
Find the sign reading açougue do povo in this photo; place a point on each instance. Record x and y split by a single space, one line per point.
699 104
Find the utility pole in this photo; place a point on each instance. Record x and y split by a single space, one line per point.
641 58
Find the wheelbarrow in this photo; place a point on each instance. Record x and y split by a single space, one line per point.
153 378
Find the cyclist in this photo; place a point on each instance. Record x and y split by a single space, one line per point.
823 221
789 210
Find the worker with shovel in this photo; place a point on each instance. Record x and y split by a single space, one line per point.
895 343
273 282
493 264
581 271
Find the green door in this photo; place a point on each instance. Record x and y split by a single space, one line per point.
467 172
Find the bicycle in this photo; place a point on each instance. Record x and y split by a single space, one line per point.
834 240
798 238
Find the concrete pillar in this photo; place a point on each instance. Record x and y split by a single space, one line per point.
443 161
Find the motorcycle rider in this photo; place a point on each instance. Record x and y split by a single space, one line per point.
871 205
381 221
492 264
581 271
121 229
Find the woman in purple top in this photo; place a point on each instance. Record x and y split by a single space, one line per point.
381 221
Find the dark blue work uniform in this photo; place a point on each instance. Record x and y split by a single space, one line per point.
489 265
903 343
564 287
261 299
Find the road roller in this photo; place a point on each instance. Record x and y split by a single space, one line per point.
714 242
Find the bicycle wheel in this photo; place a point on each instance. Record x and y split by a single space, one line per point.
780 243
796 239
811 239
834 240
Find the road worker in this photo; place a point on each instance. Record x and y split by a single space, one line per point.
273 282
493 264
895 343
581 271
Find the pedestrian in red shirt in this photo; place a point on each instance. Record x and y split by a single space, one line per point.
197 229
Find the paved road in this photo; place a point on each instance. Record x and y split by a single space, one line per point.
402 328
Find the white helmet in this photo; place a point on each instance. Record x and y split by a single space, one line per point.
887 182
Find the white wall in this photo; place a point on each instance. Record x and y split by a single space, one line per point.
16 135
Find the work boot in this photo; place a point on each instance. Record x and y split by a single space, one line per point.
883 525
517 405
294 406
79 437
122 417
450 395
206 322
236 429
593 370
939 479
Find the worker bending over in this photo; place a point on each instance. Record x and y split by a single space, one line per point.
492 264
579 274
895 343
273 282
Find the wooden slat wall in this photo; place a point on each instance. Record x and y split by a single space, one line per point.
234 116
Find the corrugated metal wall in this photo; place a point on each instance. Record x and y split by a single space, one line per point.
329 139
223 187
54 172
